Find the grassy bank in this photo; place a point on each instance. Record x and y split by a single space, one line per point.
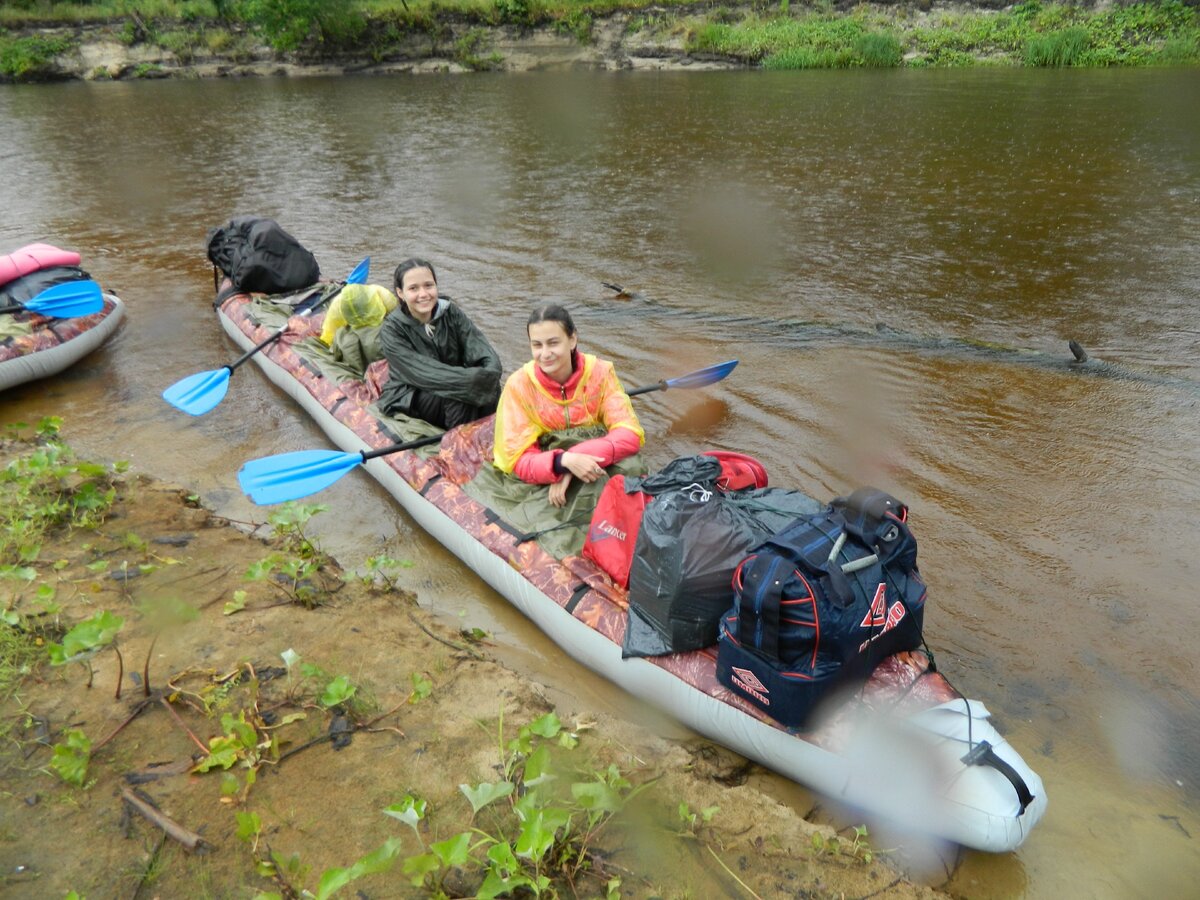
170 684
774 35
1029 33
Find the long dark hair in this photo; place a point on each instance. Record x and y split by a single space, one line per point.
552 312
407 266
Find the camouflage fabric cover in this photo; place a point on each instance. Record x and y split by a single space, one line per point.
26 333
903 682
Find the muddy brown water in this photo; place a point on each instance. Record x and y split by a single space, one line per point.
867 244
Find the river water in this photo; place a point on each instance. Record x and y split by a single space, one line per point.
898 259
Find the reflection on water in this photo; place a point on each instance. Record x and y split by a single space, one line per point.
869 245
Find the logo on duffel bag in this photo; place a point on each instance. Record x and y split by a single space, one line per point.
876 616
748 682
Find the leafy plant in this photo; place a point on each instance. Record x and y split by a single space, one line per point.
382 572
289 24
422 688
29 58
514 12
690 820
858 848
71 757
297 568
48 487
240 743
337 692
542 820
471 50
87 639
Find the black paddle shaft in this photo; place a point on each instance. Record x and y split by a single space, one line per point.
407 445
277 335
657 386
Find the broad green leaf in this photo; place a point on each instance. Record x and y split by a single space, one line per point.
237 604
248 826
378 860
454 851
422 687
487 792
538 830
290 657
495 885
71 757
222 753
537 767
546 726
410 811
596 795
338 691
420 866
90 634
501 854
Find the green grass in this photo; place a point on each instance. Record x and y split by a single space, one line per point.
29 57
18 655
776 35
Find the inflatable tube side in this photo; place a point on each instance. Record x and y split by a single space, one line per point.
52 360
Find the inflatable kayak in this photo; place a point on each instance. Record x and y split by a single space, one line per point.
907 747
33 345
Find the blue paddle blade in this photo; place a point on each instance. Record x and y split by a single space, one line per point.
360 272
703 377
66 301
198 393
290 476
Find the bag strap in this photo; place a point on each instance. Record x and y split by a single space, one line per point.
811 545
762 579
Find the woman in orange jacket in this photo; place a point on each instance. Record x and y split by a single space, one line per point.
562 389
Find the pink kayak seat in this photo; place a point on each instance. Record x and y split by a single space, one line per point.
34 258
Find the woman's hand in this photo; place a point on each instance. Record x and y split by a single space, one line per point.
582 466
558 491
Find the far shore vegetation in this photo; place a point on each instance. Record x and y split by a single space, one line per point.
778 35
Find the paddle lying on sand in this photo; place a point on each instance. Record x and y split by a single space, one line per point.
63 301
199 393
290 476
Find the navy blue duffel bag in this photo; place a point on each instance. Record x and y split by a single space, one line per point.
819 604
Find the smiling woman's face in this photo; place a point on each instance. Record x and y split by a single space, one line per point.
551 348
419 293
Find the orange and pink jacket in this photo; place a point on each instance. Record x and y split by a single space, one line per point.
533 405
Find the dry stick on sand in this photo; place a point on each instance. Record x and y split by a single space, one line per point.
189 839
462 648
174 715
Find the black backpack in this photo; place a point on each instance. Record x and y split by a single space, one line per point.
257 255
818 605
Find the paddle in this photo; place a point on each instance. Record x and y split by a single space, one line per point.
290 476
200 393
63 301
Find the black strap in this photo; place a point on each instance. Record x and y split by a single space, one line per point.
493 518
982 754
433 479
576 596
